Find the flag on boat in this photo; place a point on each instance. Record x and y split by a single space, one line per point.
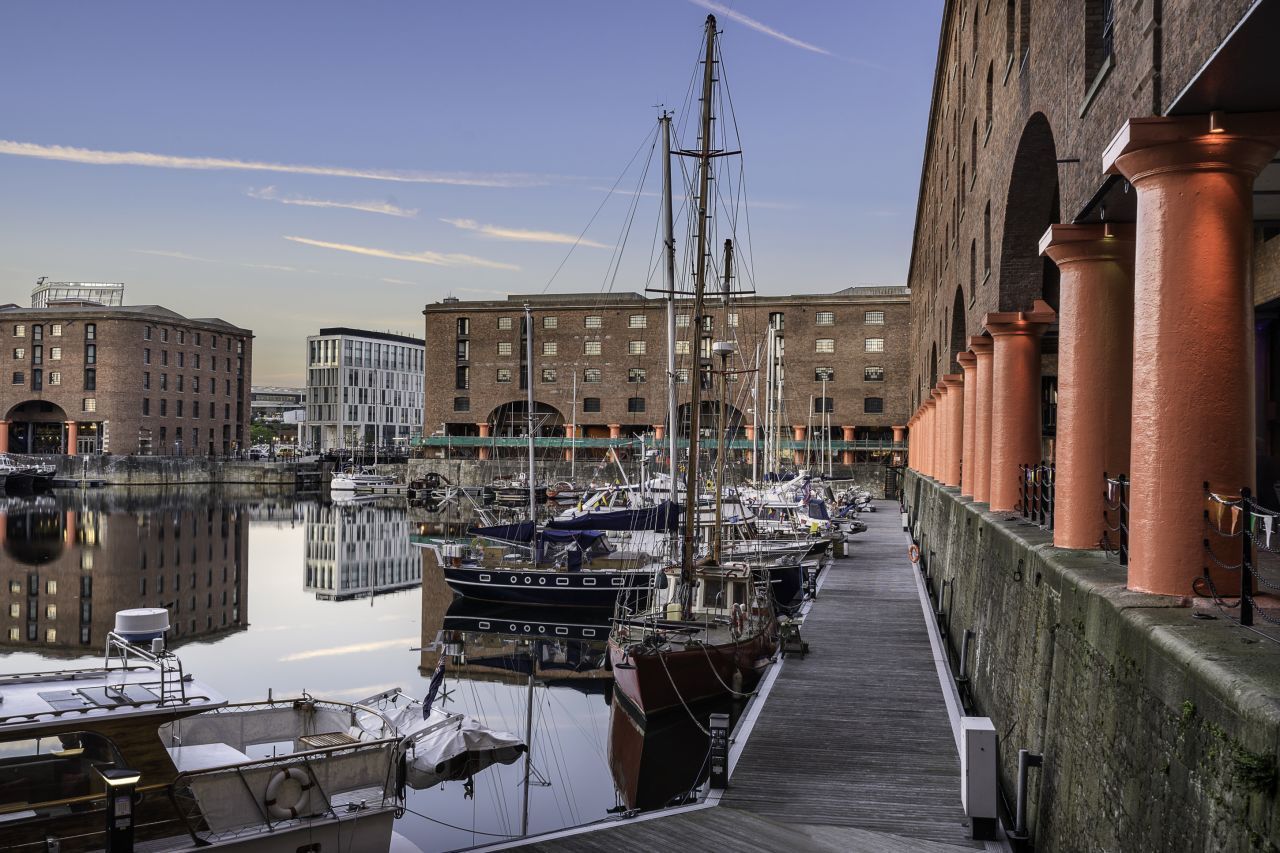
436 681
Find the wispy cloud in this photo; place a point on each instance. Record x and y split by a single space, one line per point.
752 23
398 281
522 235
183 256
353 649
439 259
169 161
386 208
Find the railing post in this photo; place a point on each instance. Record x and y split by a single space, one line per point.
1246 559
1022 489
1124 520
1053 480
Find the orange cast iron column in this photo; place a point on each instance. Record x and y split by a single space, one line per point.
615 430
750 430
1015 398
484 433
983 354
798 454
4 436
930 443
911 442
955 427
846 456
73 435
941 417
969 364
1193 371
570 433
1095 374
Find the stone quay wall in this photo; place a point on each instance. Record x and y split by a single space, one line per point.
175 470
1159 728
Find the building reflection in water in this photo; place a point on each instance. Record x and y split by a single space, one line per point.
358 550
67 566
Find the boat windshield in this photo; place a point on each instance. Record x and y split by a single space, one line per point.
53 768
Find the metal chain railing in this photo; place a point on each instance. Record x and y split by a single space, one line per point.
1232 518
1115 498
1036 493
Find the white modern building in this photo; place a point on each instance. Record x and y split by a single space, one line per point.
364 389
47 293
358 551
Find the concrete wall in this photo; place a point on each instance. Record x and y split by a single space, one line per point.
1159 730
172 470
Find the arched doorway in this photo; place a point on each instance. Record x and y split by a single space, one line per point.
959 338
509 420
37 426
1030 208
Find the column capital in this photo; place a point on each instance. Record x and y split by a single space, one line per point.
980 345
968 361
931 403
1098 241
1026 323
939 391
1213 142
953 380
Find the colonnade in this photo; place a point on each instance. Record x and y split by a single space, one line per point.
1155 356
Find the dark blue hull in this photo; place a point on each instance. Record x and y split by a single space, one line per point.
785 582
547 588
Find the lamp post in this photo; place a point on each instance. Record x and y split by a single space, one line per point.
121 784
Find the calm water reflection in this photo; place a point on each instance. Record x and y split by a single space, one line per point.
274 593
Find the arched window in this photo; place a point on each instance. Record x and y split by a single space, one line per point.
973 270
986 241
973 150
990 86
1009 25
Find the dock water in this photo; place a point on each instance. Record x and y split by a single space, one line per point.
852 749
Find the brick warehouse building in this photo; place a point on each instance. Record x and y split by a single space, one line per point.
87 378
1095 278
845 361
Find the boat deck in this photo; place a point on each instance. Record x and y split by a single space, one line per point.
853 747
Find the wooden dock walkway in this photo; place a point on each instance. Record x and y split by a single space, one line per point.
852 750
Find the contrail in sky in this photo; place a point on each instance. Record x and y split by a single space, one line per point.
439 259
386 208
169 161
759 27
522 235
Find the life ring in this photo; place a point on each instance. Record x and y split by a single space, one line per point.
738 621
914 553
272 799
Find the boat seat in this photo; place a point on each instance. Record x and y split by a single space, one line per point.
325 740
202 756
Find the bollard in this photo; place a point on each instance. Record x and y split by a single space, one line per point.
120 784
719 751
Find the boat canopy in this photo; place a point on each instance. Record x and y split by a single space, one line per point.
663 518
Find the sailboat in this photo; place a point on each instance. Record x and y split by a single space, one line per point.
718 631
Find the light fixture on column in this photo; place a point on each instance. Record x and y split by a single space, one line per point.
1216 121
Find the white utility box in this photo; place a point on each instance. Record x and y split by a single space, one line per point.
978 775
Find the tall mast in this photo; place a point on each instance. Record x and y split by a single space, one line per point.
755 420
699 289
528 413
573 439
723 349
669 248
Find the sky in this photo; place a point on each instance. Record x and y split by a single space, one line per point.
288 166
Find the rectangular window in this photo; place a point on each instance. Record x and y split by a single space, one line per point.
180 382
37 379
733 320
637 321
90 331
550 348
504 347
164 407
164 382
146 356
824 374
504 324
635 404
823 405
195 408
825 345
682 321
592 374
682 375
164 336
873 374
182 336
777 320
179 410
146 406
873 405
590 404
548 374
593 321
37 353
461 378
90 405
636 348
91 354
55 377
875 344
824 318
56 330
874 318
19 352
20 331
550 322
462 404
464 328
90 379
591 348
55 353
682 347
504 374
164 357
636 374
146 333
19 378
182 359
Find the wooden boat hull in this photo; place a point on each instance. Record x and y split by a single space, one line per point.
654 682
597 588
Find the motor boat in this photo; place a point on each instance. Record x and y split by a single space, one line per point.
352 479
